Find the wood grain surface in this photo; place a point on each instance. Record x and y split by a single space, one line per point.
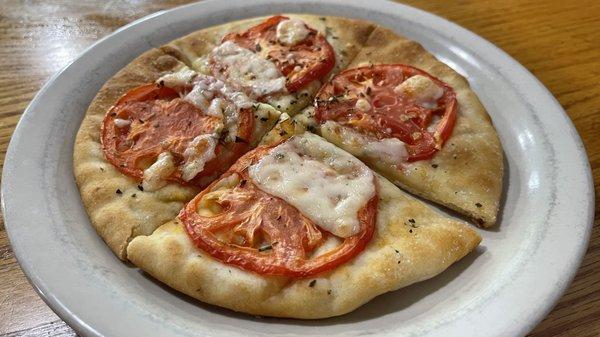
559 41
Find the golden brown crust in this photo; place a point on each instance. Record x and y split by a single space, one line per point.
400 253
466 175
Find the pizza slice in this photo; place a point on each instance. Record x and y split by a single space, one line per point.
302 229
139 157
417 122
281 60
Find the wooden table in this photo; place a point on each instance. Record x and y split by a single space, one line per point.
559 41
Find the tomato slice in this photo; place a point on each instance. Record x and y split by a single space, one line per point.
390 114
256 231
309 60
158 121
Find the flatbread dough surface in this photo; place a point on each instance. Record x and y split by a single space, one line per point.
400 253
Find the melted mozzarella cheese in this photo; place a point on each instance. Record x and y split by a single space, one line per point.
435 120
199 151
217 107
155 175
181 78
362 104
291 32
231 118
207 87
121 123
421 89
328 185
390 150
214 98
247 70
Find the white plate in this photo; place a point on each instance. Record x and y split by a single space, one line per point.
503 289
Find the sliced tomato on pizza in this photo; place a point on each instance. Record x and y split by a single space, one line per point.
279 61
186 128
394 106
296 209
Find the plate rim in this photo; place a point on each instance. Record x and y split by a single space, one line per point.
80 326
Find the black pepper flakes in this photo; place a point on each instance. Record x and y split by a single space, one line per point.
134 195
478 205
410 230
258 47
141 188
312 283
118 191
329 292
264 119
411 220
242 182
434 165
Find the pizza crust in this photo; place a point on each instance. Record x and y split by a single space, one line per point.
400 253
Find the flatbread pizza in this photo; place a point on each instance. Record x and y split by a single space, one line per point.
260 165
119 202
